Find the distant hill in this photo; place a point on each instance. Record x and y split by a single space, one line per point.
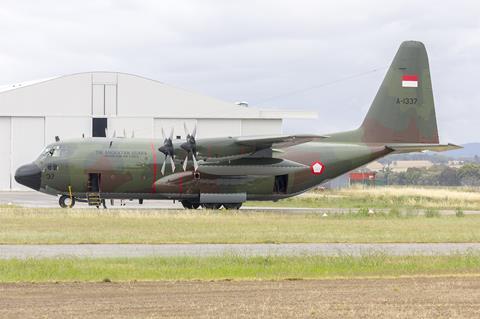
469 150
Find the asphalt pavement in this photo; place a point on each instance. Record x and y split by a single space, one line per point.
203 250
35 199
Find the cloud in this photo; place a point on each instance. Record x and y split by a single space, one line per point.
253 50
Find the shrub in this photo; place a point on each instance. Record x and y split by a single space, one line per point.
459 213
363 212
429 213
394 212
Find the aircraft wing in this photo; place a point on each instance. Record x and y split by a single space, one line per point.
276 141
419 147
220 148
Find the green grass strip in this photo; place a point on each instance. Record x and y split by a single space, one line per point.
233 267
77 226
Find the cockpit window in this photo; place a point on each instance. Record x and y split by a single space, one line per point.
54 151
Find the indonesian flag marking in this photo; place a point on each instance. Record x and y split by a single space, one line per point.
409 81
317 168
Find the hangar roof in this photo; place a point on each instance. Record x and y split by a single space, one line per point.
73 95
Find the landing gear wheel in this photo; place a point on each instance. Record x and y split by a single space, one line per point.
187 204
233 206
66 202
212 206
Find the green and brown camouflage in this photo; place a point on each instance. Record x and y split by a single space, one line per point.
232 170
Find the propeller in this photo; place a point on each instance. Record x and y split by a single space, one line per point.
190 146
167 150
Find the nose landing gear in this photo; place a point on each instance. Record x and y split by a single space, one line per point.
66 201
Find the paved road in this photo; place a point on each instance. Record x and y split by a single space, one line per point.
36 199
169 250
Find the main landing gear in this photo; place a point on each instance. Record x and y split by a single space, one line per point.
192 205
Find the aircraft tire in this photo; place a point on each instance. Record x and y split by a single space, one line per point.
235 206
187 204
64 201
212 206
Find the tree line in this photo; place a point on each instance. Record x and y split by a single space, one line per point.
467 175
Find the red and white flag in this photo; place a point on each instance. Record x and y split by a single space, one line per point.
409 81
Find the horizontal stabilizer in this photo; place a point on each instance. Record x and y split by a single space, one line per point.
419 147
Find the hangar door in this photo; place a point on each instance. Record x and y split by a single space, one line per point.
28 140
104 99
5 142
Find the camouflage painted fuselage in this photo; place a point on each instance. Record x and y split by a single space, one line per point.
130 169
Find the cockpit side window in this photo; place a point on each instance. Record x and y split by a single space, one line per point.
54 151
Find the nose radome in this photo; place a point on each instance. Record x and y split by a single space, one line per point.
29 175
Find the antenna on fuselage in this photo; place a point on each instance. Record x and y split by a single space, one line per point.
57 139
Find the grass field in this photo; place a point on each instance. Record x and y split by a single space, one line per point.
233 267
55 226
385 197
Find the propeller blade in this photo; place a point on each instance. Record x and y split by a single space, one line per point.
114 133
194 132
172 163
186 129
171 134
163 134
185 163
163 166
195 163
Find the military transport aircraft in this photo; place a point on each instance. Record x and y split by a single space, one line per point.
227 171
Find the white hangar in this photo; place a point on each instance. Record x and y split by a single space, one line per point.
33 113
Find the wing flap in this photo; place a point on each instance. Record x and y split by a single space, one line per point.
277 141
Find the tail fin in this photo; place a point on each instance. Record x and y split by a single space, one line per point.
403 110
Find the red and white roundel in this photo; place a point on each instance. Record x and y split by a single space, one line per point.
317 168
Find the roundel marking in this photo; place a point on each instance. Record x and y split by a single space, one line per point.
317 168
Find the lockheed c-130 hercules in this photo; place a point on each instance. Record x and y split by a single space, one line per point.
227 171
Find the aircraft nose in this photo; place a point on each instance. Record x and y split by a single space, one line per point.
29 175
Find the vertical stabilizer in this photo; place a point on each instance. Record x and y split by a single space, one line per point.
403 110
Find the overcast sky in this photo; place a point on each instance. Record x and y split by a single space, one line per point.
263 52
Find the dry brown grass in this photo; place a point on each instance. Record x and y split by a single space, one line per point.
386 197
